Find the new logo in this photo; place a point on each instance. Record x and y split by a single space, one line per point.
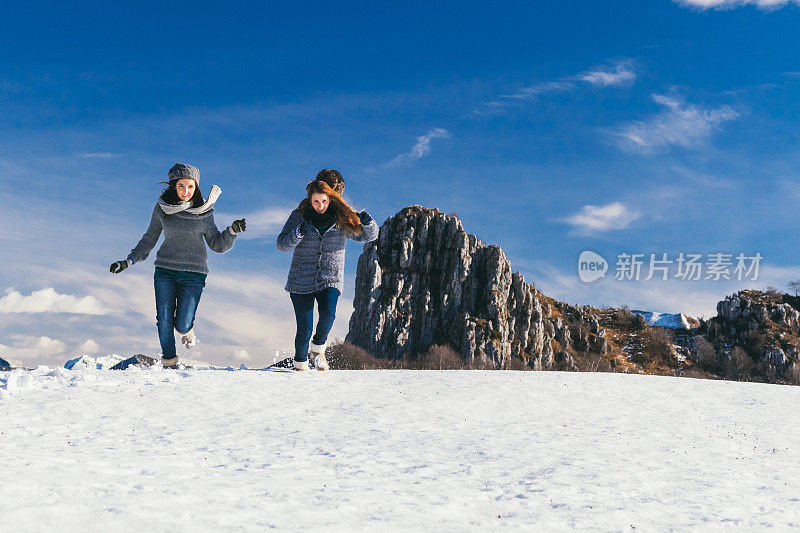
591 266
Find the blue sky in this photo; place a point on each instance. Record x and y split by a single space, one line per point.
549 128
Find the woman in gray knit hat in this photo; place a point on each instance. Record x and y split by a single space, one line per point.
317 231
180 276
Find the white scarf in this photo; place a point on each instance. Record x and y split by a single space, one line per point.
171 209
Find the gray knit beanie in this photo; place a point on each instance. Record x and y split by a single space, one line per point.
181 171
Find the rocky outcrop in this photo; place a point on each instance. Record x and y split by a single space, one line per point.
4 365
138 360
765 325
426 281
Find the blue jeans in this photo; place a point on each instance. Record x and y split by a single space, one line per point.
304 313
177 296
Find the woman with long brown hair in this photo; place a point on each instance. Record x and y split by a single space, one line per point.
317 231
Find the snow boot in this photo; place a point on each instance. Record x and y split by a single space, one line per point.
318 356
172 362
300 366
188 339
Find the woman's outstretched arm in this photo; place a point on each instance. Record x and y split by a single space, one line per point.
149 239
369 228
218 241
292 233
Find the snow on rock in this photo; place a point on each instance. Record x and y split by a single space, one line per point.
668 320
100 363
4 365
207 450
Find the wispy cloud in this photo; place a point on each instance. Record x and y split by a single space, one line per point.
49 301
264 223
98 155
420 149
533 91
601 218
679 124
620 73
730 4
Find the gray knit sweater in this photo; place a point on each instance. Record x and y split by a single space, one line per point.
318 260
183 247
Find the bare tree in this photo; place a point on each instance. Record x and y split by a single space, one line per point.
794 286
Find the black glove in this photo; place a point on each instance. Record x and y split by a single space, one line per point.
364 217
238 226
118 266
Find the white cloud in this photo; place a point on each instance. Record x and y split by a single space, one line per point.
730 4
30 348
242 355
264 223
420 149
680 124
527 93
619 73
49 301
593 219
88 347
98 155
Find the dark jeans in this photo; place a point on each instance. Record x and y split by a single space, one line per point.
177 296
304 313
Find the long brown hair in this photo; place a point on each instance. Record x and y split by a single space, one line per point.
346 217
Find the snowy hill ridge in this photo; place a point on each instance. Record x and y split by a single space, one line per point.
668 320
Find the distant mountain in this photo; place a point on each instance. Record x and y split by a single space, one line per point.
668 320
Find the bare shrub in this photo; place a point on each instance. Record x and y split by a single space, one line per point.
478 364
656 348
755 342
792 374
705 354
794 287
591 362
515 363
346 356
622 319
441 357
740 365
696 373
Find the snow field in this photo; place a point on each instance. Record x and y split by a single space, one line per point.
384 450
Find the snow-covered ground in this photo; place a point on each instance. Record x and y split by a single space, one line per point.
210 450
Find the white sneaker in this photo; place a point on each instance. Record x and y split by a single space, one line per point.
188 339
318 355
301 366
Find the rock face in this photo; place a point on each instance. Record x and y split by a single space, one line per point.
138 360
766 325
4 365
426 281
